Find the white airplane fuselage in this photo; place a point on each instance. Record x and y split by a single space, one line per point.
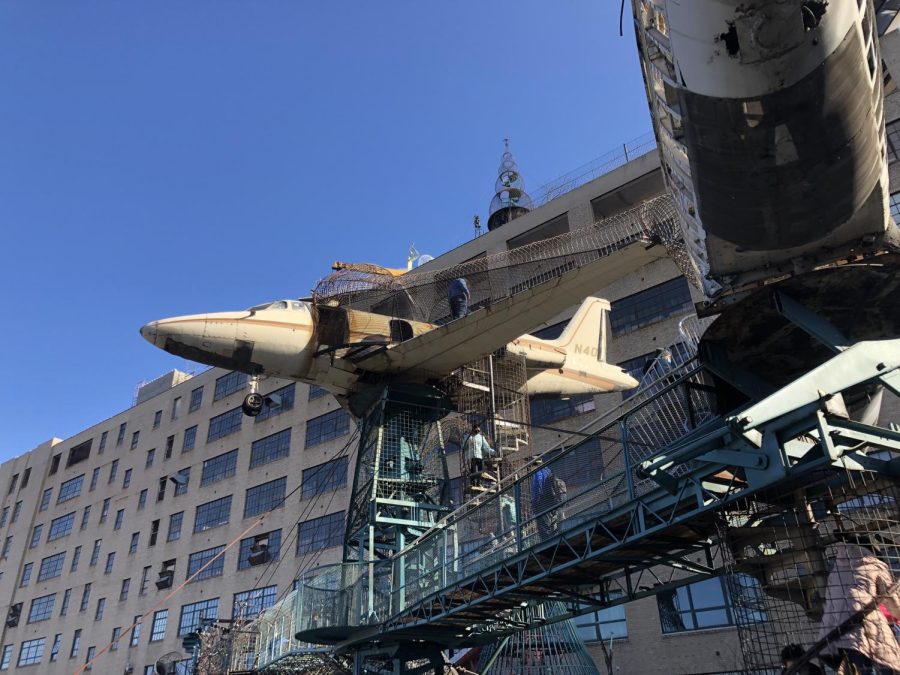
295 340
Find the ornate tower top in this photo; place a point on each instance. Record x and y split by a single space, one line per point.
510 199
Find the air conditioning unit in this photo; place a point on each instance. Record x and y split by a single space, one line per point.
13 615
259 554
166 577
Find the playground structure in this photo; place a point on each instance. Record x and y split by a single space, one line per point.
663 503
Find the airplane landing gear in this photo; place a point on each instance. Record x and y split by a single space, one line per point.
253 404
254 401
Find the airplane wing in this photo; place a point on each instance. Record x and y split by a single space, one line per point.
442 350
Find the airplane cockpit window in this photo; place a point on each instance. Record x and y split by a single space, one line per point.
296 304
278 304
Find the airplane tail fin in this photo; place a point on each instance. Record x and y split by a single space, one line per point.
585 336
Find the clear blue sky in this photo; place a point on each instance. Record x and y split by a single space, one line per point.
163 158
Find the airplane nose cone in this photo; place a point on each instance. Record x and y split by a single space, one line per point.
150 332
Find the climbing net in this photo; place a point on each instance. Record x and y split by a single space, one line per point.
422 295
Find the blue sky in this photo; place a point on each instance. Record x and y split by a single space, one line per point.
163 158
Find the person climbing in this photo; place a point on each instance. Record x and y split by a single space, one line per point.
855 630
458 296
477 449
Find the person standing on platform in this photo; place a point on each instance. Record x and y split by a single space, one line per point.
477 449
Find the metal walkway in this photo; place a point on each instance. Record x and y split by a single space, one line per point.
643 505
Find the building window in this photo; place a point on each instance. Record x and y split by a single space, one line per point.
126 480
154 532
41 608
114 641
546 410
85 517
286 396
701 605
145 580
71 489
12 483
190 437
36 536
110 561
224 425
895 206
17 510
320 533
61 527
120 517
175 526
325 427
228 384
4 515
197 560
219 467
270 448
79 453
893 141
76 556
182 480
121 435
265 497
54 462
196 399
67 596
45 500
212 514
325 477
157 418
132 547
135 632
142 499
123 591
95 477
273 544
31 652
89 656
650 305
104 510
54 650
193 614
135 437
113 470
51 566
25 478
26 574
101 606
161 488
76 643
103 438
170 444
6 658
250 604
85 598
315 391
158 631
151 455
176 408
7 544
95 552
604 624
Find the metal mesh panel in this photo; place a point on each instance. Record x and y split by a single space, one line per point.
554 648
801 566
422 295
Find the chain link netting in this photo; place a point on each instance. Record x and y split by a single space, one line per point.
423 295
